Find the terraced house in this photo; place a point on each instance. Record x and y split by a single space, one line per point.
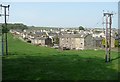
76 41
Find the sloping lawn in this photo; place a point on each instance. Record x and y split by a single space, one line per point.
28 62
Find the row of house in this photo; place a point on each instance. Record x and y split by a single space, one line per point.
67 39
41 41
75 41
85 41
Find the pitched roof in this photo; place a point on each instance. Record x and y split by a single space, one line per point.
40 33
53 34
73 35
98 38
40 38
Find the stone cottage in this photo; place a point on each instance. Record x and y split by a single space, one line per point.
76 41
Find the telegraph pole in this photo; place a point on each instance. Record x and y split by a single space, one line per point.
2 42
110 15
2 39
106 57
108 38
4 29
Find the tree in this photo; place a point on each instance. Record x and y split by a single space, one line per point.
56 40
103 42
4 29
81 28
116 43
17 26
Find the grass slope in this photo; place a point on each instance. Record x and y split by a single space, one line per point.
28 62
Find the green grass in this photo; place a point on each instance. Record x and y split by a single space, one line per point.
28 62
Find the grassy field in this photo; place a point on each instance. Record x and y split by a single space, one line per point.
28 62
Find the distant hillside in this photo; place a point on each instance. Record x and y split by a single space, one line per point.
39 28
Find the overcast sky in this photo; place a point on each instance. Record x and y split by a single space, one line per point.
61 14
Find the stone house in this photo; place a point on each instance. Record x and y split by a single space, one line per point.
53 36
97 42
100 34
43 41
48 41
40 34
38 41
75 41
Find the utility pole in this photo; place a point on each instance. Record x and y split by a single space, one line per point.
4 29
2 43
108 37
110 15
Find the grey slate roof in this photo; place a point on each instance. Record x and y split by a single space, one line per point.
98 38
40 33
73 35
53 34
40 38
